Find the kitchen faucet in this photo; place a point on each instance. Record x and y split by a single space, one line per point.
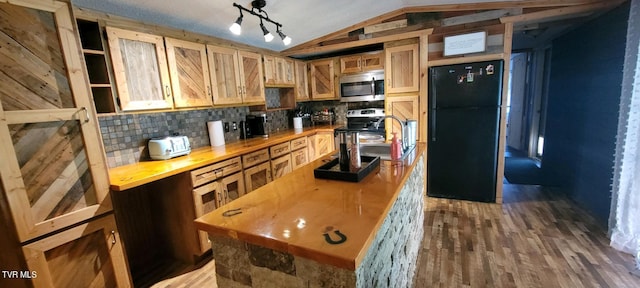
402 130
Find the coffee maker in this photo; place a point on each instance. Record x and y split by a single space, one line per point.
257 124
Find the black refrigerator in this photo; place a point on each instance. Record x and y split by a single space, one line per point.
464 116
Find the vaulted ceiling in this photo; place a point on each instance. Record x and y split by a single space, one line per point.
332 21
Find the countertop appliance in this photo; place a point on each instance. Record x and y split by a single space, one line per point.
365 119
360 87
258 125
163 148
464 113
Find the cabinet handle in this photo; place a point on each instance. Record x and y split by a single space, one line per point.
244 90
240 90
86 114
113 236
358 63
209 90
220 200
166 88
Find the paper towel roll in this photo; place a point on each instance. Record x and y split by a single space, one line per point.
297 122
216 133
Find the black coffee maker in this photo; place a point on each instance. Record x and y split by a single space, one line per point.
245 130
257 124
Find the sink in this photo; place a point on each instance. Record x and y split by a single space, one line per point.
383 150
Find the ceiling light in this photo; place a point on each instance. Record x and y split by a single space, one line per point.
235 27
285 39
257 11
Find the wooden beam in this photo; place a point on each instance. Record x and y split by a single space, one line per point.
564 11
498 5
482 16
352 44
385 26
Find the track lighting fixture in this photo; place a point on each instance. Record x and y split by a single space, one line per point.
257 11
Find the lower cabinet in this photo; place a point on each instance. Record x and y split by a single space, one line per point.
212 195
281 166
299 158
88 255
321 145
257 176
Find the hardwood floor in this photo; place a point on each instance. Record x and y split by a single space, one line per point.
536 238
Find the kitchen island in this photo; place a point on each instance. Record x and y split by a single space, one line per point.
299 231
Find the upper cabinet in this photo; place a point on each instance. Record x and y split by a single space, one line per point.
323 79
302 81
189 73
278 71
140 70
236 76
402 69
362 62
251 77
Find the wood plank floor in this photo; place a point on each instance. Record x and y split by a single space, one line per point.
536 238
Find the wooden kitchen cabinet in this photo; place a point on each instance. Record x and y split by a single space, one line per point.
270 74
236 76
89 255
280 149
251 77
257 176
299 158
140 70
53 169
362 62
323 79
281 166
302 81
403 107
402 69
278 71
320 144
189 73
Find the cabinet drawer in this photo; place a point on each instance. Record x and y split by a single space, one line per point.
215 171
254 158
280 150
299 143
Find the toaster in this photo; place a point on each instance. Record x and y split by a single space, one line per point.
163 148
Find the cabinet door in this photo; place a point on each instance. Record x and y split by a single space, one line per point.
281 166
189 73
324 144
403 107
53 169
233 187
140 69
270 74
251 77
350 64
225 75
402 69
285 70
302 81
311 146
322 80
89 255
373 61
207 198
257 176
299 158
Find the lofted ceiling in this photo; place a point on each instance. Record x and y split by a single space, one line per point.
302 20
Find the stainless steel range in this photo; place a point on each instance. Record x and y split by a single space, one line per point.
365 119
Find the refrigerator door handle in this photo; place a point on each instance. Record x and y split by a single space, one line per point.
433 125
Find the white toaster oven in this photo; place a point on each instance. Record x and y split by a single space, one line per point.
163 148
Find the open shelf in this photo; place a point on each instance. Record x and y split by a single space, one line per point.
277 98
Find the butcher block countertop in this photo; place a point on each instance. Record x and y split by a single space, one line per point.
129 176
292 214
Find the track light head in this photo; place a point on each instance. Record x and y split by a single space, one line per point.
285 39
235 27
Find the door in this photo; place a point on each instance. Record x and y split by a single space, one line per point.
402 69
257 176
299 158
516 102
373 61
251 77
225 75
285 69
324 144
350 64
322 80
302 81
281 166
270 75
403 107
89 255
233 187
189 73
140 69
53 168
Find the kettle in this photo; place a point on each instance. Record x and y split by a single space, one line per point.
245 130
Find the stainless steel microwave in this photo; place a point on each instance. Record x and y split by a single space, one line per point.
367 86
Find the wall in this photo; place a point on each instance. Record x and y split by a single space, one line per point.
584 93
